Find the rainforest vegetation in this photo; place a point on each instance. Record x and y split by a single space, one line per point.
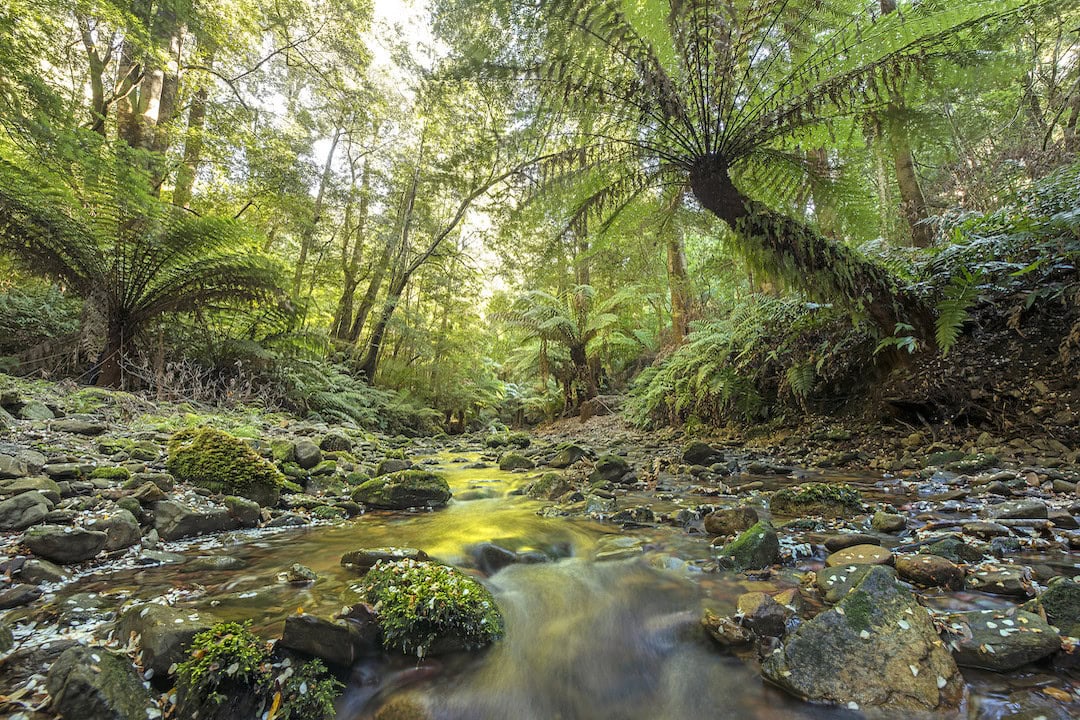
469 213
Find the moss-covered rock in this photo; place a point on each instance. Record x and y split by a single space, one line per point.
93 683
229 674
832 500
609 468
427 608
111 473
1061 603
568 455
404 489
515 461
520 440
758 547
222 463
549 486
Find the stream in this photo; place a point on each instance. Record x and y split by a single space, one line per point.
608 627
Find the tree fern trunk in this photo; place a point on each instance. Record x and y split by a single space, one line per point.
785 248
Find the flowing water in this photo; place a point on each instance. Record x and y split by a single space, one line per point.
608 629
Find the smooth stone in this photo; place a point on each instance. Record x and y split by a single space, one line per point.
244 511
122 529
1061 603
730 521
38 571
18 595
12 467
930 571
46 486
859 555
173 520
68 470
835 543
515 461
78 426
1017 509
568 455
836 582
24 510
308 454
64 545
885 522
985 530
35 410
338 642
699 453
391 465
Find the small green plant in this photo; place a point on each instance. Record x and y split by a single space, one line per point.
230 674
960 295
425 607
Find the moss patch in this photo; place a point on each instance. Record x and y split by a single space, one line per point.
426 608
220 462
817 499
111 473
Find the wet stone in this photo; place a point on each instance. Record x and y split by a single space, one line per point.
730 521
1000 641
18 595
956 549
64 544
930 571
92 683
835 543
885 522
338 642
1017 509
725 631
836 582
860 555
755 548
365 558
1011 581
985 530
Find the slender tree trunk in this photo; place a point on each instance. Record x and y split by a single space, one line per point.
912 201
678 286
193 145
98 109
370 361
344 315
825 270
376 281
308 236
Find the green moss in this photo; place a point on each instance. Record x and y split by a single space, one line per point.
357 478
328 512
284 451
404 489
817 499
230 674
857 609
111 473
520 440
246 431
112 446
550 486
425 607
219 462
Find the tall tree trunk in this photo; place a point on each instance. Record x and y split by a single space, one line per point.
193 144
825 270
374 283
116 352
678 286
343 317
370 362
98 110
308 235
912 201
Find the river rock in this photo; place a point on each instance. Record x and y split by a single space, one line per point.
64 545
758 547
246 512
699 453
365 558
568 455
404 489
876 650
1017 509
335 442
46 486
726 631
22 511
860 555
92 683
79 426
730 521
12 467
298 574
163 634
307 453
391 465
885 522
609 468
1061 603
1013 581
148 493
836 582
18 595
39 570
985 530
762 614
956 549
173 521
7 640
35 410
549 486
338 642
840 541
999 640
930 571
122 529
515 461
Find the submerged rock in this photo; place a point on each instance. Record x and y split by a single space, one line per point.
338 642
876 650
404 489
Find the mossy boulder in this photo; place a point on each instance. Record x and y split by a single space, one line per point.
758 547
404 489
877 650
520 440
219 462
1061 603
425 608
609 468
515 461
105 472
830 500
568 455
549 486
92 683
